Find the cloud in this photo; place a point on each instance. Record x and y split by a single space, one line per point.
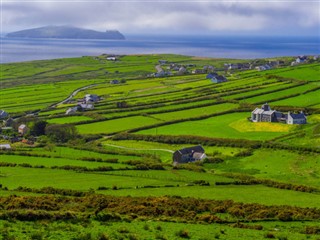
180 16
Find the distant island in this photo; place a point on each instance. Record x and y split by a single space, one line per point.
66 32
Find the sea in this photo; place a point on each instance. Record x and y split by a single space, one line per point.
238 47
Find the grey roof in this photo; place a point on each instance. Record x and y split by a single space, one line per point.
261 111
3 114
211 75
189 150
297 115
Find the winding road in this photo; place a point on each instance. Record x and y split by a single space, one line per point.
139 149
75 92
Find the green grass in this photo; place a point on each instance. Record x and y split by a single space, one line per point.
216 127
71 119
139 229
247 194
163 149
280 165
304 100
116 125
272 96
305 72
194 112
49 162
36 85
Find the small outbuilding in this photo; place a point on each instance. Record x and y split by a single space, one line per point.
23 129
114 82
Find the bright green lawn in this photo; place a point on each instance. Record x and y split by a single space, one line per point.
70 119
280 165
303 100
215 127
116 125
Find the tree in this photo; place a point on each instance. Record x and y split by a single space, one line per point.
38 128
61 132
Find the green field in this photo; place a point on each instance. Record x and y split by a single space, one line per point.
113 177
232 125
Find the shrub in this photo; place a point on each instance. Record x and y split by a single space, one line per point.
269 235
183 233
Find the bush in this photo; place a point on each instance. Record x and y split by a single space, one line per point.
183 233
269 235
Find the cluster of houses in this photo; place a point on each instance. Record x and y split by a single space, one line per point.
7 128
237 66
85 104
266 114
179 69
301 59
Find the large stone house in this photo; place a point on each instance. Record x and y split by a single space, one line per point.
266 114
191 154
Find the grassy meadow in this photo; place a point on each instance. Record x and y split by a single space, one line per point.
114 179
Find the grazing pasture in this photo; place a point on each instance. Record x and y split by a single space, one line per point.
114 178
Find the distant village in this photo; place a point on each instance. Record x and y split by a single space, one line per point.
166 68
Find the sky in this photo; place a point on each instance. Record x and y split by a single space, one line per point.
177 17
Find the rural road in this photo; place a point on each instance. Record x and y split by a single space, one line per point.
75 92
140 149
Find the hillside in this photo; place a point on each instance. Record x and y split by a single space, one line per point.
106 172
66 32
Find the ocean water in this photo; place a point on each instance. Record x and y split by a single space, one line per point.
18 49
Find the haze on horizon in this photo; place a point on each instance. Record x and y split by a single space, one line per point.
178 17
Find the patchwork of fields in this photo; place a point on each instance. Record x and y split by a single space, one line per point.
123 150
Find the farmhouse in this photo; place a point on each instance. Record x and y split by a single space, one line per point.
216 78
296 118
198 71
299 60
91 98
265 114
114 82
191 154
23 129
263 67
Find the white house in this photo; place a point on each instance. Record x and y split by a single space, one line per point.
296 118
85 106
91 98
5 146
23 129
111 58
